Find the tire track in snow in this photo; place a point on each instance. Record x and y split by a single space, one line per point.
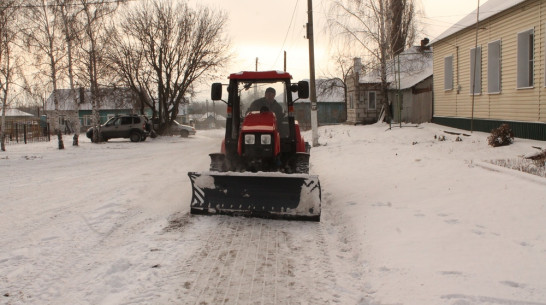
236 260
255 261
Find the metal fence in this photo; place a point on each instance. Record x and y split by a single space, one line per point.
26 131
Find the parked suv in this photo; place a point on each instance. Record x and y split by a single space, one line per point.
132 126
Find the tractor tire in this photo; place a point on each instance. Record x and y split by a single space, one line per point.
184 134
302 163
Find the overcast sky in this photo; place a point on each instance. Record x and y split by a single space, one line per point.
264 29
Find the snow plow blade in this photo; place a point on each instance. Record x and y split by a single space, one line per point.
266 195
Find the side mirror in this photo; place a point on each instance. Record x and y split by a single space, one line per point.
216 92
303 89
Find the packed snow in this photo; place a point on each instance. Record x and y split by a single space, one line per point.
410 215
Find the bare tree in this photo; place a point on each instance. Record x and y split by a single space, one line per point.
401 25
167 48
332 81
44 37
379 27
68 13
128 58
8 36
93 44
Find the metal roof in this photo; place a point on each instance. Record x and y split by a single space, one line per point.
488 9
16 113
414 67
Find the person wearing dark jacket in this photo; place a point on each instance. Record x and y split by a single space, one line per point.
267 103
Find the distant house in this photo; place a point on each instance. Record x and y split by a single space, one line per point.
112 101
494 73
209 120
363 95
330 106
16 114
409 79
410 92
21 125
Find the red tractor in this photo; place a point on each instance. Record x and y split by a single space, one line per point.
262 168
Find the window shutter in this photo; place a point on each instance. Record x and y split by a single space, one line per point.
493 67
448 73
523 59
371 100
476 70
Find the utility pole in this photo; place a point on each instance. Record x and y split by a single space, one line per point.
313 97
256 85
284 61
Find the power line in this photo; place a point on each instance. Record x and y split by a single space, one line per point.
18 6
286 36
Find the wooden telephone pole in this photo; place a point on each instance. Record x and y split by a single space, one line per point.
313 91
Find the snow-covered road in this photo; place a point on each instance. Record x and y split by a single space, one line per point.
408 217
109 224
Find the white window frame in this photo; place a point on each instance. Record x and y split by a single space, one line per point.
448 73
476 73
494 67
61 119
374 100
525 59
87 120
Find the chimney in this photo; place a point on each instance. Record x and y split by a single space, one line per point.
357 65
424 45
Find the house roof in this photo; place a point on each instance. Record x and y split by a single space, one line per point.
415 66
488 9
16 113
118 98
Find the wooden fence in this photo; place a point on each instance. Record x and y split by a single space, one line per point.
26 131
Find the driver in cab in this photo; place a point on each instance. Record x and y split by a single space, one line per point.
267 103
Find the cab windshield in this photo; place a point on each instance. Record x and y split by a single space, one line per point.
261 94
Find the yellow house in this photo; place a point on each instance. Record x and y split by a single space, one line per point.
492 71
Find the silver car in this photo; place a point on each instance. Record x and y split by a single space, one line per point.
184 130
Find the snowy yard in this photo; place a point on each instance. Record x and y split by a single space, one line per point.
407 219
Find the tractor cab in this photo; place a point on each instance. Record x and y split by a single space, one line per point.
246 88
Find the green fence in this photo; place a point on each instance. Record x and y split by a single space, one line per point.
526 130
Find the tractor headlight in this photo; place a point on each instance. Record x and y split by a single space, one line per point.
266 139
250 139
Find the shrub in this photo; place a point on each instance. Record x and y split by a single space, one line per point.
501 136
